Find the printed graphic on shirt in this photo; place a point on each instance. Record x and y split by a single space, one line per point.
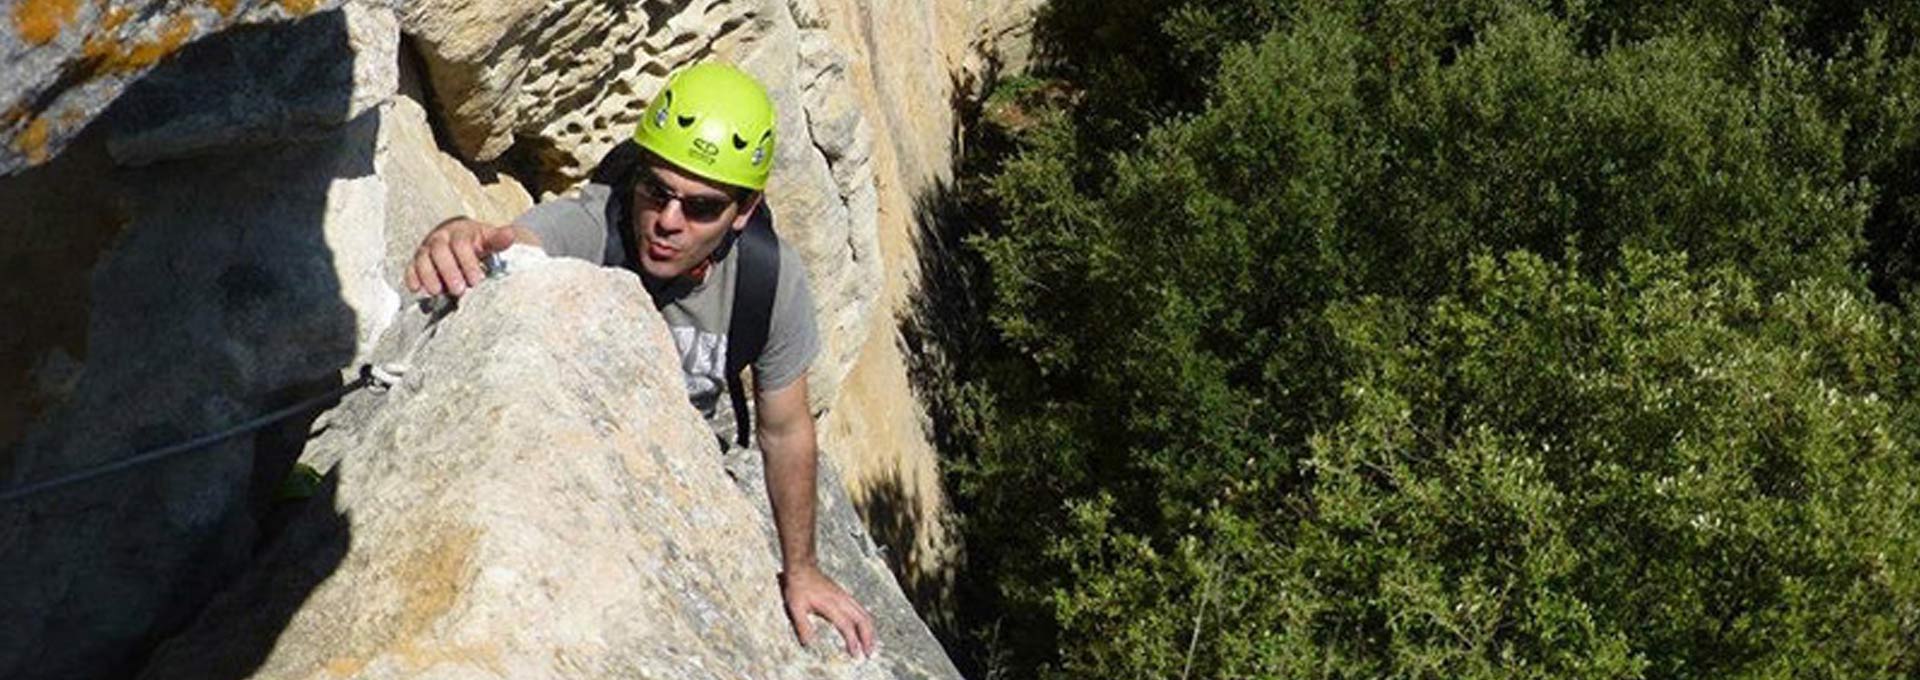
703 361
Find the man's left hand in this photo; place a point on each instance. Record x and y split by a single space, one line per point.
809 591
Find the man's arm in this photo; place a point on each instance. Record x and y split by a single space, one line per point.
792 460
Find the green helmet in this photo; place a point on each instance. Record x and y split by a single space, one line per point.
714 121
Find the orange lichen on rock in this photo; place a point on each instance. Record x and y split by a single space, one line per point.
113 19
40 21
105 55
32 141
299 7
224 7
345 666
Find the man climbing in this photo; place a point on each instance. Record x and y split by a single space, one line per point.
681 206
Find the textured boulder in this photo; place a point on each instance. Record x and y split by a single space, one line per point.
536 499
566 77
231 272
63 62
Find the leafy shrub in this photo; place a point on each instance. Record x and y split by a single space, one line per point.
1468 339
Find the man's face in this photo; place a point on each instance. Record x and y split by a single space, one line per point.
680 219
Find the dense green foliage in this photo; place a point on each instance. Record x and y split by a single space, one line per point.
1451 340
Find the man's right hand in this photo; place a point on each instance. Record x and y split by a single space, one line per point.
449 258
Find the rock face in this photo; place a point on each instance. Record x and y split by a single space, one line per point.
543 418
62 62
241 276
207 205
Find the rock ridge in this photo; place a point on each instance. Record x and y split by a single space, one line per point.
544 417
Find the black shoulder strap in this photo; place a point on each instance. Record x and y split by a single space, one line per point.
758 275
615 171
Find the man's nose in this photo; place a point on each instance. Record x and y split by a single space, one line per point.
672 218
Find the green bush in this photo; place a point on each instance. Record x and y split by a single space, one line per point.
1664 474
1466 339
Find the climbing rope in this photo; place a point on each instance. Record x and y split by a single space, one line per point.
190 445
379 377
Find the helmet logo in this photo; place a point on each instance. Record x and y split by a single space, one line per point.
759 154
660 119
705 150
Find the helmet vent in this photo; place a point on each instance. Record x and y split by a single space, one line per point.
686 121
739 144
666 104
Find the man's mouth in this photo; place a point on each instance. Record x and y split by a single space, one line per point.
659 250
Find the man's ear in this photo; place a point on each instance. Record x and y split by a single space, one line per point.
747 206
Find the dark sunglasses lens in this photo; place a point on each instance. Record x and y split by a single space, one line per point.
703 209
654 192
698 209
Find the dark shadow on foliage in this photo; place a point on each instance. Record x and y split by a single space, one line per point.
947 341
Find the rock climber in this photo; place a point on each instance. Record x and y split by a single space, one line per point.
672 212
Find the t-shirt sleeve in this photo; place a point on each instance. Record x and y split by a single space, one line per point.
572 226
793 338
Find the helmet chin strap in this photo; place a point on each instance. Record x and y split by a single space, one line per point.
699 272
657 287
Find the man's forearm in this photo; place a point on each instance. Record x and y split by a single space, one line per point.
792 459
792 464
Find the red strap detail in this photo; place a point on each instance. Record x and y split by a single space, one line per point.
699 274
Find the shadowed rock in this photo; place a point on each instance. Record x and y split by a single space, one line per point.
62 62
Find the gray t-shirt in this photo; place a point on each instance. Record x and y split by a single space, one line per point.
698 314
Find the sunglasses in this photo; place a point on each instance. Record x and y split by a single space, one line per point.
695 208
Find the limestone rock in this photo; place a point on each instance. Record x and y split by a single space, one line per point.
236 276
823 187
63 62
564 77
259 85
537 499
222 300
1001 43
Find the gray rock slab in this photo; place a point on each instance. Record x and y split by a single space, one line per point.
537 499
247 271
64 62
222 300
259 85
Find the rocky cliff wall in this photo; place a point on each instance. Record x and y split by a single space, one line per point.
208 204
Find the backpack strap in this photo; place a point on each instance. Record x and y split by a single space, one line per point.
616 171
758 275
